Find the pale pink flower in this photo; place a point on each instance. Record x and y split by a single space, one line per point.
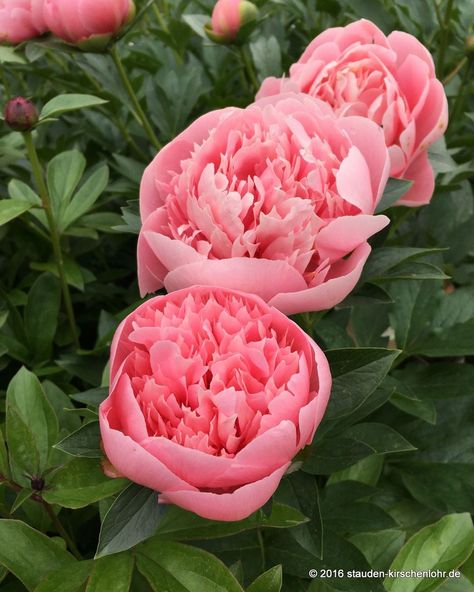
276 199
391 80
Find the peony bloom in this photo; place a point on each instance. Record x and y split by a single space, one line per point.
228 17
21 20
87 21
276 199
212 394
391 80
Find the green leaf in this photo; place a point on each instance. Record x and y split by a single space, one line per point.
133 517
80 483
30 416
441 546
64 174
11 209
394 190
380 547
270 581
356 374
442 380
358 442
29 554
266 55
86 197
68 102
4 465
384 260
182 525
21 498
179 568
9 55
423 409
41 316
366 471
111 574
84 442
92 397
68 579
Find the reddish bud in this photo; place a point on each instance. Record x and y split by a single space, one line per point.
20 114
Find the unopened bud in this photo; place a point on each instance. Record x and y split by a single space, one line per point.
20 114
228 19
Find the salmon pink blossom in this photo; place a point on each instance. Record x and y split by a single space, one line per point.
213 392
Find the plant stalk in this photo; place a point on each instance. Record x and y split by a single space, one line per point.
139 113
58 255
247 62
445 36
61 530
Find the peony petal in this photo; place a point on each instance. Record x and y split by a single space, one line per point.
357 193
421 173
228 506
406 45
263 277
346 233
331 292
169 158
134 462
369 139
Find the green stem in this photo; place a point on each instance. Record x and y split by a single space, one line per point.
249 69
455 71
159 18
445 36
62 531
58 255
460 96
262 547
139 113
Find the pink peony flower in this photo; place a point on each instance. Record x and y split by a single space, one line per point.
80 21
228 17
212 394
21 20
276 199
391 80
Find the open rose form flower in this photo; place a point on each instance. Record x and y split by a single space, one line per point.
276 199
212 394
21 20
87 21
357 70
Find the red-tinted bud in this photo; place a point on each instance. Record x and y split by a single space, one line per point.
20 114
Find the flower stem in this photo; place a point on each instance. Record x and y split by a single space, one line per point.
248 65
262 547
460 96
57 252
444 36
61 530
455 71
139 113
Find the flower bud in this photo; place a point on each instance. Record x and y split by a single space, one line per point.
91 28
469 46
228 18
20 114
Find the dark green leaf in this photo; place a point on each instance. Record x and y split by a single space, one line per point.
111 574
270 581
41 315
178 568
83 442
394 190
133 517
